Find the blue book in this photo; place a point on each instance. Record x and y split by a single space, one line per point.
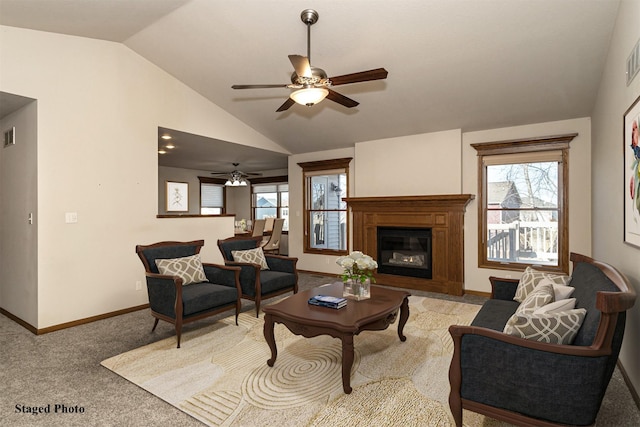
328 301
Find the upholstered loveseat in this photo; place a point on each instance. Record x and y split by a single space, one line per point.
542 369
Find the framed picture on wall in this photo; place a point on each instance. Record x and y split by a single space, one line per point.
177 196
631 153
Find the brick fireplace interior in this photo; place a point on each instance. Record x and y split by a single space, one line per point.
424 245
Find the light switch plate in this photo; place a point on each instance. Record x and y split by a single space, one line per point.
71 217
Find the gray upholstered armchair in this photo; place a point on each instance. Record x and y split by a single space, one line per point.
185 291
529 382
278 276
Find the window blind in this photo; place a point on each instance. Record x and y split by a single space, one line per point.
517 158
211 196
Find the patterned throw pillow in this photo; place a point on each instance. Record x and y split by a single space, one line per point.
555 328
254 256
188 268
532 277
539 297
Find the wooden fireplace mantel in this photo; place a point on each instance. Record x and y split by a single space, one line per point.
444 214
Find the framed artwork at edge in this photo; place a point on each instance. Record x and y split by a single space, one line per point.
631 153
177 197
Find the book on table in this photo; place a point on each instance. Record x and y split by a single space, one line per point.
328 301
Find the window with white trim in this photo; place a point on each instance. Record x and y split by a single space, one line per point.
271 201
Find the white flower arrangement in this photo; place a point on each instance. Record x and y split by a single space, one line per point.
358 267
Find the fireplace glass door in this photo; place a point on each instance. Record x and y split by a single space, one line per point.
404 251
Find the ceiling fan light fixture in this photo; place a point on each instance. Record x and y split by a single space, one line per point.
309 96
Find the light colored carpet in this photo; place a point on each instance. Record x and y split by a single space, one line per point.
220 375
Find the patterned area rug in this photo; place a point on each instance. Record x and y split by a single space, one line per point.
220 375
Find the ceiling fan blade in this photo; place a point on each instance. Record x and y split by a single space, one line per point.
301 65
341 99
287 104
363 76
257 86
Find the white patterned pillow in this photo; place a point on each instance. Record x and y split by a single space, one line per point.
557 306
554 328
188 268
539 297
254 256
532 277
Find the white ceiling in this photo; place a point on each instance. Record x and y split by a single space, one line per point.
469 64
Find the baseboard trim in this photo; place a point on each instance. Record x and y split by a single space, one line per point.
478 293
627 381
319 273
19 321
66 325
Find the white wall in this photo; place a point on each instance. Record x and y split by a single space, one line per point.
614 97
99 108
18 199
477 279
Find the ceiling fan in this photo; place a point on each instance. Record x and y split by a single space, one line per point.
236 178
311 83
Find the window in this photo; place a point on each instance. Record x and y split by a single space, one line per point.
271 201
522 211
325 213
211 196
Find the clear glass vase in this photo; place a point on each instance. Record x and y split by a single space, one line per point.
356 289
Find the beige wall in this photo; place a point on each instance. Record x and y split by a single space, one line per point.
99 108
409 165
614 98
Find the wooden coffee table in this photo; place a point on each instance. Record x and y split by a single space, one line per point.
301 318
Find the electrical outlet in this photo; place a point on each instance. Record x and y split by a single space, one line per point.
138 285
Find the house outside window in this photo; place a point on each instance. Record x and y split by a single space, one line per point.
211 196
325 213
522 210
271 201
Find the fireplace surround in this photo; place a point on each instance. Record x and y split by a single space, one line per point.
442 214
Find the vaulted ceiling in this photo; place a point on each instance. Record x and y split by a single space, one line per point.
469 64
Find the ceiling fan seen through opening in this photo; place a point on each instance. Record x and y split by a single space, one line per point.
236 178
311 84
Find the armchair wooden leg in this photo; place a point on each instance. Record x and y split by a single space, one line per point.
257 305
178 331
155 324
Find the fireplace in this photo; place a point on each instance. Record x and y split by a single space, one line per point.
404 251
443 217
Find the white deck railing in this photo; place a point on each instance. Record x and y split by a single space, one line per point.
535 242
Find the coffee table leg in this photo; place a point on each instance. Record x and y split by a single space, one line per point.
270 338
404 316
347 362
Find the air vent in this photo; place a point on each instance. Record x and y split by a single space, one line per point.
633 63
